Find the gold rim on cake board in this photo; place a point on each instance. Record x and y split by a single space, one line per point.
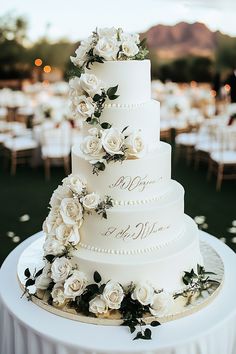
212 262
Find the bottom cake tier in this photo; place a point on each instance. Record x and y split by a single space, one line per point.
163 268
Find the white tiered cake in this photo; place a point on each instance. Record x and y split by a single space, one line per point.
117 241
146 236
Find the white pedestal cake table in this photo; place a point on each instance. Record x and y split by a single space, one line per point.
27 329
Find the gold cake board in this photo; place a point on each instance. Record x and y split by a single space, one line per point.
212 262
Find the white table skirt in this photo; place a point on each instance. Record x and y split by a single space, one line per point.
27 329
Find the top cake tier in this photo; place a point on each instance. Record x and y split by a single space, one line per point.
132 77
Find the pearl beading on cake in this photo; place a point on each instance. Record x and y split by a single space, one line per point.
136 202
133 251
124 105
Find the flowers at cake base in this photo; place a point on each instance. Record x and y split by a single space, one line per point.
108 144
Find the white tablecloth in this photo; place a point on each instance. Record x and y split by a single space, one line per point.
27 329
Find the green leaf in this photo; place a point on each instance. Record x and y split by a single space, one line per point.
112 90
143 43
27 273
101 288
50 257
96 98
97 114
155 323
147 334
39 272
88 120
138 336
106 125
97 277
113 97
93 288
101 166
124 129
132 329
94 121
29 282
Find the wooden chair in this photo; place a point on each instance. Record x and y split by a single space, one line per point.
223 161
184 145
19 150
55 147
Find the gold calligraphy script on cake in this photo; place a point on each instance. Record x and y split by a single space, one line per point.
140 231
133 183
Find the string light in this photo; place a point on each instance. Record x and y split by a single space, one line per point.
38 62
47 69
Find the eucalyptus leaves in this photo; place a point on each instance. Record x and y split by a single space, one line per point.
106 44
196 283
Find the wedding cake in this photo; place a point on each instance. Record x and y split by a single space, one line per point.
116 233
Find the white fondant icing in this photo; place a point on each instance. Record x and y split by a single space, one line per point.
134 181
163 267
132 76
144 118
137 226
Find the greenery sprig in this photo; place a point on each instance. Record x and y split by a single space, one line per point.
196 283
99 102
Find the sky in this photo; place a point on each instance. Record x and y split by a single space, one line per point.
76 19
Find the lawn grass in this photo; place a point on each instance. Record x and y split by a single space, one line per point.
29 193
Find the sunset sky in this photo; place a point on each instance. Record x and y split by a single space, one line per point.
75 19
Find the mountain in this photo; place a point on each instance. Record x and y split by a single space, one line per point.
182 39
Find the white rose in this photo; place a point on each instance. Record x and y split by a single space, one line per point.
75 87
144 293
54 247
67 234
90 201
98 305
93 131
91 146
129 48
135 145
81 52
129 37
113 295
61 269
107 32
84 107
60 193
75 183
58 295
52 221
71 211
75 285
161 304
91 84
107 48
112 141
43 280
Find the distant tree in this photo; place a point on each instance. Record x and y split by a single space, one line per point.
225 53
201 69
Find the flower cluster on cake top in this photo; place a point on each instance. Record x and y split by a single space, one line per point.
109 44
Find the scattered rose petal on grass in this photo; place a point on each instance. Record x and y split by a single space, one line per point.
200 219
234 223
232 230
24 218
16 239
233 240
204 226
10 234
223 239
